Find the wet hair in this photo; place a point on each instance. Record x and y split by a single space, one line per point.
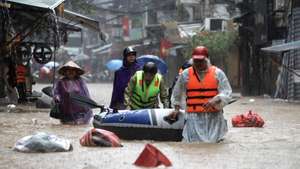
150 67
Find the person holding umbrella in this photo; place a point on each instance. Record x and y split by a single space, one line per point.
71 82
122 77
144 87
208 91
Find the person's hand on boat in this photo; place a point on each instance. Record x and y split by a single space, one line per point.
173 116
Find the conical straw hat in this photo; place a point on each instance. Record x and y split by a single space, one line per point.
71 65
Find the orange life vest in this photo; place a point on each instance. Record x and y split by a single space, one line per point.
200 92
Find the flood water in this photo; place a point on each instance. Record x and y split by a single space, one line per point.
276 146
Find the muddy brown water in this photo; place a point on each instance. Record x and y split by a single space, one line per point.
276 146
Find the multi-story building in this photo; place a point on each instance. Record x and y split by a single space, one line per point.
266 23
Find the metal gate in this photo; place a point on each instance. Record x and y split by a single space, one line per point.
289 84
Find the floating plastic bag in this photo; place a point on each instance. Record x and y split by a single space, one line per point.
249 119
42 142
100 137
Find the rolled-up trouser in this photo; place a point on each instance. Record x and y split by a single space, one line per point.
204 127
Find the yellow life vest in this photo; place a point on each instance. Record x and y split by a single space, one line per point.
145 96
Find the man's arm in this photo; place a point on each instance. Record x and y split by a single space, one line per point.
128 91
178 89
177 94
224 90
163 94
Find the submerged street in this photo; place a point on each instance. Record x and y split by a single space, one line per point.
134 54
274 146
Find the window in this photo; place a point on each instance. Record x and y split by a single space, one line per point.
137 22
216 24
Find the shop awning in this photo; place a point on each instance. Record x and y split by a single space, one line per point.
189 30
69 25
47 4
83 20
102 49
283 47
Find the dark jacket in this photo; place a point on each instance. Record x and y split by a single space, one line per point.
121 79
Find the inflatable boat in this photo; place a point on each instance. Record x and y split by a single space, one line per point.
144 124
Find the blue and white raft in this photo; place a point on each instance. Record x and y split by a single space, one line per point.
144 124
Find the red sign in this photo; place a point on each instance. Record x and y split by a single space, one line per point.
125 26
164 46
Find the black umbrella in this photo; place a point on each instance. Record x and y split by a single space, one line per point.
48 91
85 101
76 98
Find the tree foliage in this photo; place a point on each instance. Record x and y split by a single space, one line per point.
218 43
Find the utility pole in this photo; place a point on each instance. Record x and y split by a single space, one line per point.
2 47
2 29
